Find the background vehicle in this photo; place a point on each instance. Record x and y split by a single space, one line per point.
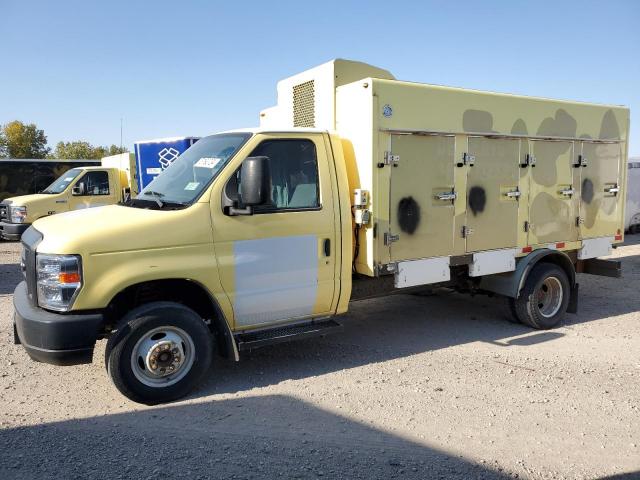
356 185
632 208
26 176
77 188
153 156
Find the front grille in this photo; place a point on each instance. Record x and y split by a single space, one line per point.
4 211
30 273
30 240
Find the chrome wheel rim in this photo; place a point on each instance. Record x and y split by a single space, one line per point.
163 356
549 297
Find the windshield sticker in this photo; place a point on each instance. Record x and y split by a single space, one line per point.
208 162
192 185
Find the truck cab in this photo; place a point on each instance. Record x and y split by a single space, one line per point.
78 188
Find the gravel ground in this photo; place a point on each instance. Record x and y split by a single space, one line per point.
415 387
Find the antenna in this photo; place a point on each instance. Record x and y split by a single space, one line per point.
120 133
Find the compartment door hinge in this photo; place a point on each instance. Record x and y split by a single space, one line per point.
390 159
467 159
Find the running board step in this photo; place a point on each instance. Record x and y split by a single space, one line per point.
251 340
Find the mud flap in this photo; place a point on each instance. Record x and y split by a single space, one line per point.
16 338
573 300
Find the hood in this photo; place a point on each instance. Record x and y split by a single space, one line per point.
116 228
26 200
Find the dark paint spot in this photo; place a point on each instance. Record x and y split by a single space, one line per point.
408 215
587 190
477 121
609 128
562 125
477 200
519 128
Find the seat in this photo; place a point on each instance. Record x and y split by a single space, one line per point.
305 195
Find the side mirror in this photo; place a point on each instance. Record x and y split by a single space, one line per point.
78 189
255 181
255 186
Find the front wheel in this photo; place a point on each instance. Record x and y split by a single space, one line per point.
545 297
159 352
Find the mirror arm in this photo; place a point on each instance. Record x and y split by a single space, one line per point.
236 210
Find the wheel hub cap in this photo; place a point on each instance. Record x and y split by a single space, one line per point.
164 358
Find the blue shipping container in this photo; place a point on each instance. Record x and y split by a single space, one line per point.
153 156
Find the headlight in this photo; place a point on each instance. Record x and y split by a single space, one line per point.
17 214
59 280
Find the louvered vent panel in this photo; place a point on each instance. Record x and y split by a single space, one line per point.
304 105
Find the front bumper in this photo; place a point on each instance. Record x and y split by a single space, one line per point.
56 338
12 231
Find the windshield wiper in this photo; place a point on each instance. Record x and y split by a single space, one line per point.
157 196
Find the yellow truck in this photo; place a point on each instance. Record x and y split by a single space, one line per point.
78 188
355 185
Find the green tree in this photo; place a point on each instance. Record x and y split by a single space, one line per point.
84 150
19 140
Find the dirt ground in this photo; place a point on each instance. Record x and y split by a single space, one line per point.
414 387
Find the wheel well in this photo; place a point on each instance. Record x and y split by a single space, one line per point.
564 262
185 292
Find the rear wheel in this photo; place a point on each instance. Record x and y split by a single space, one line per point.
545 297
159 353
509 307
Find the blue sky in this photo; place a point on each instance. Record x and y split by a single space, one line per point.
193 67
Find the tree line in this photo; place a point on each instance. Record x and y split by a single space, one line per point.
21 140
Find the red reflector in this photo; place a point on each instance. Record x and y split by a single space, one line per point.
69 277
527 249
618 237
560 245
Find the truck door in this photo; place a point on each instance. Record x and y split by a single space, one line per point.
97 190
600 189
492 193
279 263
422 197
553 194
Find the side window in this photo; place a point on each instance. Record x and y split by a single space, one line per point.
294 174
96 183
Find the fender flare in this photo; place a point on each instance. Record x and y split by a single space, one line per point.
510 284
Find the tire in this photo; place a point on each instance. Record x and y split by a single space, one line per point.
545 297
509 308
159 352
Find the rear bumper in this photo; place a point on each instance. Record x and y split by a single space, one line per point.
12 231
56 338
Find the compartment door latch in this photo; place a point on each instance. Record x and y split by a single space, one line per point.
389 238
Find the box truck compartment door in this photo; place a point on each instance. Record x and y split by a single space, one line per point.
422 197
492 193
600 189
279 263
553 198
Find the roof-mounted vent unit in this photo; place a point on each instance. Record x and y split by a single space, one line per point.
304 105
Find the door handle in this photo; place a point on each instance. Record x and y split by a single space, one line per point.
513 194
61 201
327 247
613 190
446 196
567 192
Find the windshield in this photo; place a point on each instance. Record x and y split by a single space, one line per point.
63 181
186 178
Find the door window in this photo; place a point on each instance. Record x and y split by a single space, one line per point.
294 176
96 183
